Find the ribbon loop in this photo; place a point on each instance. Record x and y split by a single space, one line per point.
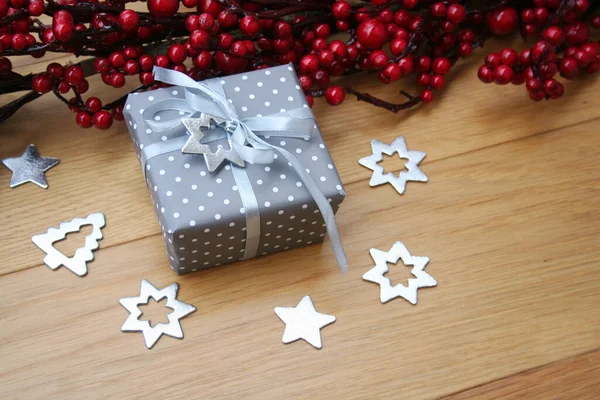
206 107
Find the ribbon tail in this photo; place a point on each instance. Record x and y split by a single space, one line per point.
318 197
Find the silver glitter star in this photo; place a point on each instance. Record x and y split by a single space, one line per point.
414 173
389 292
152 334
195 146
303 322
30 167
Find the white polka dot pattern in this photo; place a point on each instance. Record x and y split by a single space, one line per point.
201 214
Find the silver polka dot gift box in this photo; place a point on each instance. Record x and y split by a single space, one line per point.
236 167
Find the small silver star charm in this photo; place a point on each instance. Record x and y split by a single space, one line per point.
303 322
30 167
152 334
195 146
414 173
389 292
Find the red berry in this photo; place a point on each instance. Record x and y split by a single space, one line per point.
456 13
334 95
82 87
93 104
423 64
35 8
378 59
321 78
117 80
509 56
555 35
131 67
163 8
83 119
583 58
207 23
146 78
427 96
42 83
423 79
63 26
213 7
503 75
249 26
117 59
4 7
397 46
438 10
227 19
465 49
391 73
238 49
199 40
441 66
533 85
503 21
485 74
310 100
103 119
323 31
338 48
326 58
341 10
117 113
63 87
129 20
282 30
371 33
224 40
203 60
192 23
161 61
56 70
74 75
305 82
177 53
577 33
18 42
437 82
310 63
568 68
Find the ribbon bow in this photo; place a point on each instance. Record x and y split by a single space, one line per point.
206 107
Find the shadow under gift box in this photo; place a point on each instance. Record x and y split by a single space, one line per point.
201 213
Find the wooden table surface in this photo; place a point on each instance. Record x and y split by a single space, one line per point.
510 219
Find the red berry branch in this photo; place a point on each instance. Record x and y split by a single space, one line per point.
324 39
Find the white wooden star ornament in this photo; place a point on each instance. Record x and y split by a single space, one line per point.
387 291
30 167
303 322
413 172
153 333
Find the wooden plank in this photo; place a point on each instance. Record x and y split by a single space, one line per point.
512 233
99 171
574 378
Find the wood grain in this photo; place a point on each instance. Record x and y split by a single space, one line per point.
573 378
509 219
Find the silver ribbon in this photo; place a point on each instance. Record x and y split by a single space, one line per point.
206 101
